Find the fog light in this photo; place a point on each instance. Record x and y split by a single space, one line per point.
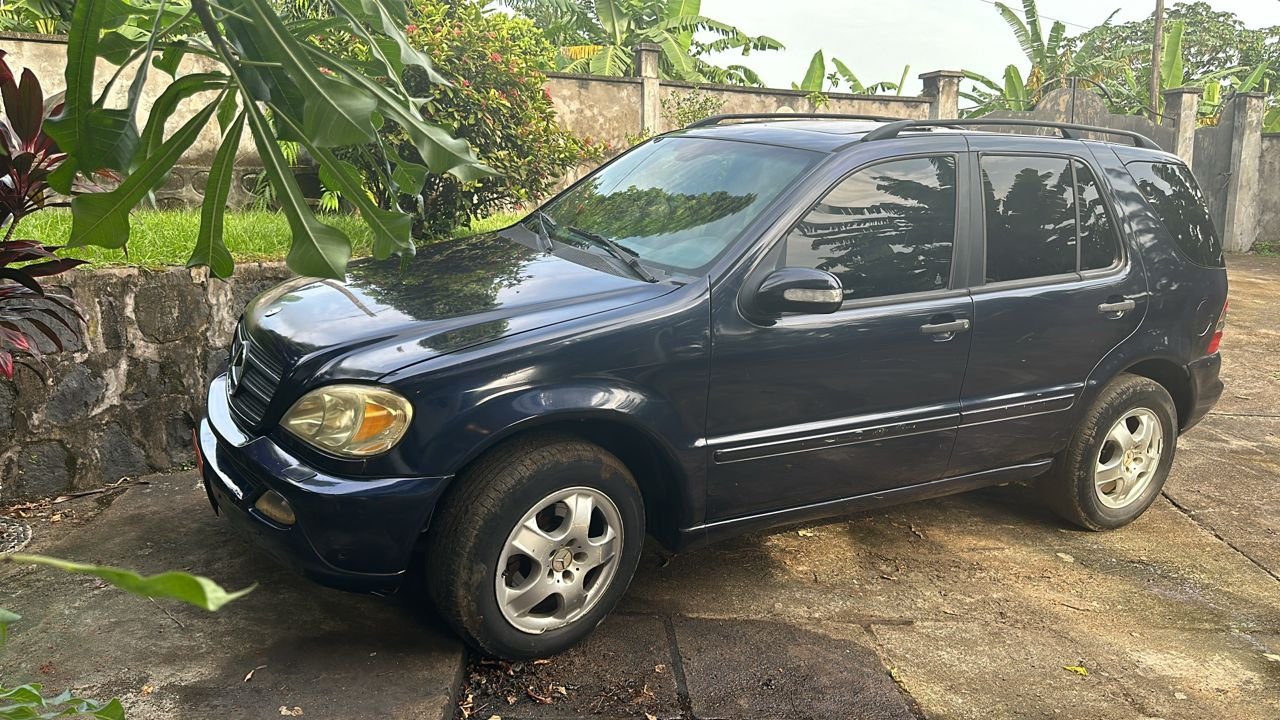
274 506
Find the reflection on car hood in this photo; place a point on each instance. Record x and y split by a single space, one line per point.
453 294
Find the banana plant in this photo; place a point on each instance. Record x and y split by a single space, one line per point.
264 66
816 77
606 32
989 96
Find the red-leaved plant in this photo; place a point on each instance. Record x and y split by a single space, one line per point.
27 157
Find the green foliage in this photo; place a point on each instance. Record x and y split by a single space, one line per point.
816 77
600 36
28 702
183 587
495 99
681 109
162 238
267 66
46 17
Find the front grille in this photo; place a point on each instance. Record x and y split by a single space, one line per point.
259 376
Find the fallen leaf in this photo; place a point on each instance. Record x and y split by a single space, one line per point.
511 699
1065 557
659 669
148 689
650 716
806 533
1077 669
1271 656
290 711
249 675
542 662
1179 696
495 717
56 518
60 499
542 699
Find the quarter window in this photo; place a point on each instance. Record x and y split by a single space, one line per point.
1176 199
885 230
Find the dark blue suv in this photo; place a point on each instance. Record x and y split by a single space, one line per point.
748 322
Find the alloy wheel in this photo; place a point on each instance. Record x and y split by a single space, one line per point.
559 560
1129 458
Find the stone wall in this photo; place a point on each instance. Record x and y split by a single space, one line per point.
1269 182
123 398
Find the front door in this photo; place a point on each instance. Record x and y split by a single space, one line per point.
813 408
1057 292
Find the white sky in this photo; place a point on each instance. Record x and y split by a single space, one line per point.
875 38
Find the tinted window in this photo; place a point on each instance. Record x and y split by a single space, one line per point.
1099 243
885 230
679 202
1176 198
1031 217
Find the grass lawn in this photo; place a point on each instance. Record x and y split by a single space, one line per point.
159 238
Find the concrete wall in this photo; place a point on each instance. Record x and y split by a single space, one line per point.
46 56
122 400
1269 205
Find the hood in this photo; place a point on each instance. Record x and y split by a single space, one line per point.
451 295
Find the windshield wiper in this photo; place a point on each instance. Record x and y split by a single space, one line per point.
628 256
544 235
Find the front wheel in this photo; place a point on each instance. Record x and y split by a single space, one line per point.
1119 457
535 546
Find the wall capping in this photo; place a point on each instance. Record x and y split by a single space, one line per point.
746 89
33 37
593 78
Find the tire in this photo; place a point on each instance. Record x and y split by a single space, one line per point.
475 532
1098 483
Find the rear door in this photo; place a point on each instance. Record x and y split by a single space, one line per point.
813 408
1056 289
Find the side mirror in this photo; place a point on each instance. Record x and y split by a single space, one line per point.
798 290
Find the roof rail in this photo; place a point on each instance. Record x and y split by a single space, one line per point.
717 119
1068 130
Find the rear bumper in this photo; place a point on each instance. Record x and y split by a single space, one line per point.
1206 388
353 534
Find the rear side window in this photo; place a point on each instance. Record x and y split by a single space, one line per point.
1031 217
888 229
1045 216
1176 199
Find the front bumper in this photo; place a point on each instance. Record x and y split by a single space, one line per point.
353 534
1206 388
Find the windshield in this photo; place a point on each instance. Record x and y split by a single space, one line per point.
677 202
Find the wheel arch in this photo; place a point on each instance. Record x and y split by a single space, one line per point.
1170 375
658 472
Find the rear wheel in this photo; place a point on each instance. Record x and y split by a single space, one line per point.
1118 459
535 546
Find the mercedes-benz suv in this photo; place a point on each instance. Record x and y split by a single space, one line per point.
744 323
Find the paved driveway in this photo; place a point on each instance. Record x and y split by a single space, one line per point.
965 607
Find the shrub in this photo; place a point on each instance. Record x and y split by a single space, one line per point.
27 157
496 102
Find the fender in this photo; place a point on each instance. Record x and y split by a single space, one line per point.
586 407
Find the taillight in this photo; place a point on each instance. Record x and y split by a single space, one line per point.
1216 340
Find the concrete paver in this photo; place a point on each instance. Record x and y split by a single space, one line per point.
330 653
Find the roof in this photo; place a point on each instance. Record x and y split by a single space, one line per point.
829 134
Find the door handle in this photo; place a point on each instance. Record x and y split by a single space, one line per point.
945 328
1117 308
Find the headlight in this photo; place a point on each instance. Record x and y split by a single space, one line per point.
350 420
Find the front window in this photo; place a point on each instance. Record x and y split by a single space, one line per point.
886 230
678 202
